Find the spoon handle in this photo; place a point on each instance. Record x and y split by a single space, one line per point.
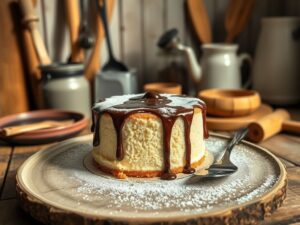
237 137
102 9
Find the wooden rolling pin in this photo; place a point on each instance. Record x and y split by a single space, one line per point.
272 124
30 19
14 130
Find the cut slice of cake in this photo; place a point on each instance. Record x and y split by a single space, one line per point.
148 135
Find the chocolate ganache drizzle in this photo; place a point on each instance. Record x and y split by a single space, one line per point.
167 107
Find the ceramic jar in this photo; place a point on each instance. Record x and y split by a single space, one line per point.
220 66
65 87
276 69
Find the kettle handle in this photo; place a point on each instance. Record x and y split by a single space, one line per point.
245 57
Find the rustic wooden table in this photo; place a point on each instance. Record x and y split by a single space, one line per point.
286 147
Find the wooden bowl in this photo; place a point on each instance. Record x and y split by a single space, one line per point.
164 87
230 103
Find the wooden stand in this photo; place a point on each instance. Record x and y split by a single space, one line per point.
51 211
249 214
234 123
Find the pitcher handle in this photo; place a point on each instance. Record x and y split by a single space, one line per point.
247 58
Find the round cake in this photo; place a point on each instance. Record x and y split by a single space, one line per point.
149 135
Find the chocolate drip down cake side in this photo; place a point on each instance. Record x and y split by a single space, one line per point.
149 135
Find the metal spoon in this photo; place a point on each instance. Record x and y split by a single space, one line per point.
112 63
226 167
86 38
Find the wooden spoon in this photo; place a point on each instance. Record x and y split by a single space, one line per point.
30 19
237 16
200 20
32 62
73 18
14 130
93 64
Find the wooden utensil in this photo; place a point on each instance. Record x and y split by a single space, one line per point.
93 64
237 16
200 20
20 129
13 96
45 135
33 71
230 103
272 124
32 63
234 123
30 19
73 18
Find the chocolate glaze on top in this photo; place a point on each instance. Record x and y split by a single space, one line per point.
167 107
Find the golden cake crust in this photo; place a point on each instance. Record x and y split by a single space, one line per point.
122 174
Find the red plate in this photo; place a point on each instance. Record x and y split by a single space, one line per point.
44 135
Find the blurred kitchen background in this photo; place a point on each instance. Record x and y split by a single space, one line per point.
136 26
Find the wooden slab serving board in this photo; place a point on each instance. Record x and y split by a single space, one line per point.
234 123
55 187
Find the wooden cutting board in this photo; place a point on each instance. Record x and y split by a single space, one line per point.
13 96
234 123
56 186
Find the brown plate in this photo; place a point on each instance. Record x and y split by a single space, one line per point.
44 135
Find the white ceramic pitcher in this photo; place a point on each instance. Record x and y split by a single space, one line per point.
276 68
219 67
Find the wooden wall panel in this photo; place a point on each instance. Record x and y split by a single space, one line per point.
219 20
131 36
175 16
137 24
153 27
56 31
292 7
13 96
135 28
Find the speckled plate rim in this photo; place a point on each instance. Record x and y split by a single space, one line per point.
36 206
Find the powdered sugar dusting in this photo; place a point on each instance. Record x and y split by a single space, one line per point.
115 100
256 175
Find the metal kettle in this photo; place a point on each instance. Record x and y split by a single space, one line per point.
169 40
220 63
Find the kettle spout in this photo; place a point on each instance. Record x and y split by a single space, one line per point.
194 68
